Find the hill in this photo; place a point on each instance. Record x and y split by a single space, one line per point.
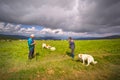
106 37
14 37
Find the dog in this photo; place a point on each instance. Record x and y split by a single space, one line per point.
52 48
43 45
86 57
46 46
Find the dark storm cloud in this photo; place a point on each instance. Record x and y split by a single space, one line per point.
92 16
103 12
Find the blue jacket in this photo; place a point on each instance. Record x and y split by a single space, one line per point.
30 43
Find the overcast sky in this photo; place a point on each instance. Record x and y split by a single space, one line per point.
60 17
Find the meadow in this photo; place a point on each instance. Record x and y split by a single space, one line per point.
58 65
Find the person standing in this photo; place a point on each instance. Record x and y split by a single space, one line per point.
71 46
31 45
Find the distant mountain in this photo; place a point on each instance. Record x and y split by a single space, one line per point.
14 37
112 37
93 38
86 38
47 38
3 36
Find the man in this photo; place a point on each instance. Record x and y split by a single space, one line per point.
71 46
31 45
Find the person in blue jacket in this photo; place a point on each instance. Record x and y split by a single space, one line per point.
31 45
71 46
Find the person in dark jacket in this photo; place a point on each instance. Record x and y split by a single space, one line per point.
71 46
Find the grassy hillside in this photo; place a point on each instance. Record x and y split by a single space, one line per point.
58 65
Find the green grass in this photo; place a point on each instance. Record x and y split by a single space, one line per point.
57 65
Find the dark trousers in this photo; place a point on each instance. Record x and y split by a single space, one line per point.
31 53
72 52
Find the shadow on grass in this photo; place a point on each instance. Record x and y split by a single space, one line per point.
68 53
78 60
36 55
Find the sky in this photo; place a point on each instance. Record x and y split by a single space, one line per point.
60 18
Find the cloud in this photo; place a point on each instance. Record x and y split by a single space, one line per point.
27 30
15 29
18 29
9 28
78 16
